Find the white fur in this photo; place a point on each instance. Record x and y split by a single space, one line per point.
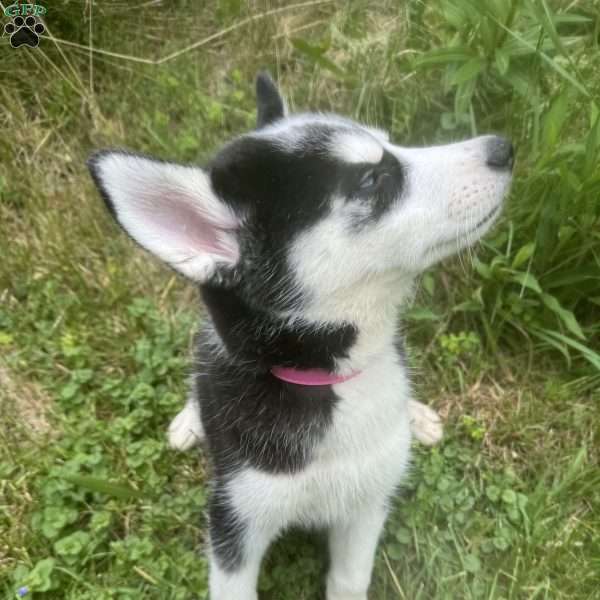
352 546
380 134
241 584
356 147
293 132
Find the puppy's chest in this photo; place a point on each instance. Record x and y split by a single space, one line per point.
371 409
360 459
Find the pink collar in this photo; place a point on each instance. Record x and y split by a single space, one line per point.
310 376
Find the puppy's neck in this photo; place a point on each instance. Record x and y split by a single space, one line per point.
341 333
373 306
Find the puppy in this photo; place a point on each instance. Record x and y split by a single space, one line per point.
304 236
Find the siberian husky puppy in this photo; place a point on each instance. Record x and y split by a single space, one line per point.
304 237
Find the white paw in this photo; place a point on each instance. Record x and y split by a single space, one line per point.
185 430
343 588
425 423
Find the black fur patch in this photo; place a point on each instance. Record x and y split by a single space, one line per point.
250 416
269 103
259 338
92 164
227 533
278 194
390 186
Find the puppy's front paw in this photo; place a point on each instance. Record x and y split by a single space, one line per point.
425 423
345 595
185 430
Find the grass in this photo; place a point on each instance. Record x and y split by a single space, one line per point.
95 337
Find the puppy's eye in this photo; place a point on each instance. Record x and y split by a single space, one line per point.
368 181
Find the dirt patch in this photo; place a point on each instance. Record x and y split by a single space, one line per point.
24 406
495 408
485 401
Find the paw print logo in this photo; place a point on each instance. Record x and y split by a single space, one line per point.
24 31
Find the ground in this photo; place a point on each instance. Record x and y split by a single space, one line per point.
95 337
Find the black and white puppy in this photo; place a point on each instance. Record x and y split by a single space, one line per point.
305 236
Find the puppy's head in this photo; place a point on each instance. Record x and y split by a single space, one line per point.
307 206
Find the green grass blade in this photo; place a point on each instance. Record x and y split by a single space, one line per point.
102 486
587 353
549 61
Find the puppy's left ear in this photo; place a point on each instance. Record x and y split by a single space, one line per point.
270 104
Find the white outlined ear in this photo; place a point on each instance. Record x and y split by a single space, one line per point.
170 210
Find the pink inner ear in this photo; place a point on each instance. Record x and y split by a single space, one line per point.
180 221
203 233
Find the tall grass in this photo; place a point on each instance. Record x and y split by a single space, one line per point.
540 278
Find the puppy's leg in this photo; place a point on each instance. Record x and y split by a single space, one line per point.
425 423
236 552
352 546
185 430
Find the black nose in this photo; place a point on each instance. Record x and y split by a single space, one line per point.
500 153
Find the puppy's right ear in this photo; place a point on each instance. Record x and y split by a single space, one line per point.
170 210
270 104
